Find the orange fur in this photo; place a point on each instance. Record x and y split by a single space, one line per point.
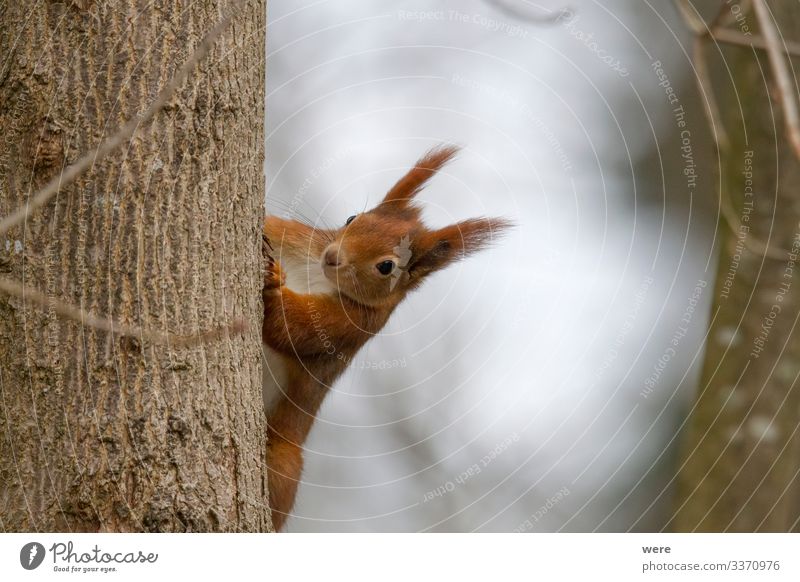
316 334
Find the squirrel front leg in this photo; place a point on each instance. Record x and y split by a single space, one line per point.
297 326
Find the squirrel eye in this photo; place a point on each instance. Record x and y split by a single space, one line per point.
385 267
349 220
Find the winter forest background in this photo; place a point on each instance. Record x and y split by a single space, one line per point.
542 385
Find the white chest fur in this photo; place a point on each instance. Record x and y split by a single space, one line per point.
273 377
302 276
305 276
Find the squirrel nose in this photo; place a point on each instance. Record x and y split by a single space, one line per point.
332 257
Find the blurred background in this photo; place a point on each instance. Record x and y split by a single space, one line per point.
540 385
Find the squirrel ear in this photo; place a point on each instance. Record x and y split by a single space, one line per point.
439 248
410 184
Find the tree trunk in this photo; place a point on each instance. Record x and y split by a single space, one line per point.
98 432
742 447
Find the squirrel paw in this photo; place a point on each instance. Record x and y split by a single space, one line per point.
274 277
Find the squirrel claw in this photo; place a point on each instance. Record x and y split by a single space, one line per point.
266 247
265 244
274 277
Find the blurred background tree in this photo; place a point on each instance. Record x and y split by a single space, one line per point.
741 453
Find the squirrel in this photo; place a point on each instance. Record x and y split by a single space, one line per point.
328 291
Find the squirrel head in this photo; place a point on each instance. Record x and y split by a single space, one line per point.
376 257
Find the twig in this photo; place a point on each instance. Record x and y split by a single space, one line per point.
753 243
751 40
710 106
689 14
779 69
726 15
75 313
702 32
126 132
716 31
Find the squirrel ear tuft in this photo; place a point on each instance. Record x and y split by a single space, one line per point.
440 248
425 168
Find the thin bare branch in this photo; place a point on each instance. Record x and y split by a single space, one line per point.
708 96
726 15
753 243
690 16
125 133
75 313
703 32
751 40
716 29
786 89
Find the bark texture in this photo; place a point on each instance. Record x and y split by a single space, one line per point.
742 447
99 433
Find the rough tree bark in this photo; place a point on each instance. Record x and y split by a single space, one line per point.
742 447
98 432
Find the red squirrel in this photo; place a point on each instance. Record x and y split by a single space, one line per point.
327 292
